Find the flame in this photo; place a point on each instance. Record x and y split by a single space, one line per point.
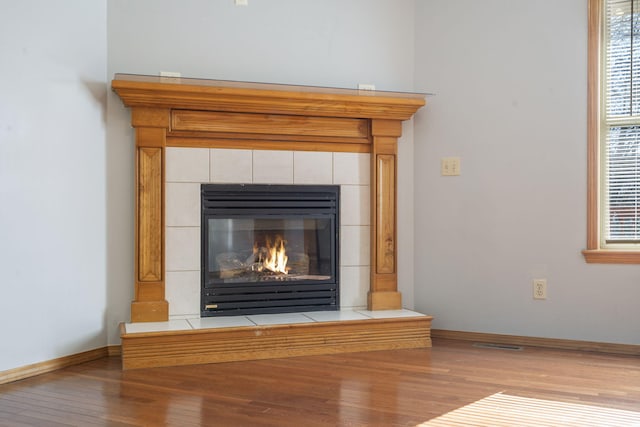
273 257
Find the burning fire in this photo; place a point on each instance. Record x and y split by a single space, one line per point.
272 257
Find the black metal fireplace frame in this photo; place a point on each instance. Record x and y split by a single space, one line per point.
272 201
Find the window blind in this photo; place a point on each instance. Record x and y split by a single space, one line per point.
621 123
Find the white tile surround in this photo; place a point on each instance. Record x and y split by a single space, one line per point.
187 168
265 320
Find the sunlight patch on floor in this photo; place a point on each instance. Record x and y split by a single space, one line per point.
505 410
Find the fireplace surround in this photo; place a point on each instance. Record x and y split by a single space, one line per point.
178 112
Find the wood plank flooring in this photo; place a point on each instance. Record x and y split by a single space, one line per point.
408 387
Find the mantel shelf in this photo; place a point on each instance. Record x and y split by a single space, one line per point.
220 95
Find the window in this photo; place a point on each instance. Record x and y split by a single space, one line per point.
614 132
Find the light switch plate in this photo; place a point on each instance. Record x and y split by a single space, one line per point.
450 166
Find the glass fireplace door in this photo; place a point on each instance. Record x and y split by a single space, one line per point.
259 250
269 248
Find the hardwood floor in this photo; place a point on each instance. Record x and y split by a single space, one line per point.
381 388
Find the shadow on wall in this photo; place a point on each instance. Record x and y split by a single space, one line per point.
98 91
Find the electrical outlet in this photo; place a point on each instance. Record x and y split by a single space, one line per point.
539 288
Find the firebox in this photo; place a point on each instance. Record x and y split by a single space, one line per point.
269 248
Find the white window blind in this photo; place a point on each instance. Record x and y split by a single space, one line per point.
621 123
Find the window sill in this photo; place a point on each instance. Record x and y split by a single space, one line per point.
607 256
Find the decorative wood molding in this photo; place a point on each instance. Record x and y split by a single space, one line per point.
608 256
150 222
383 293
594 253
174 348
593 127
53 365
218 95
252 143
182 112
269 124
480 337
114 350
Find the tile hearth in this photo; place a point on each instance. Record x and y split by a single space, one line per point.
265 336
265 319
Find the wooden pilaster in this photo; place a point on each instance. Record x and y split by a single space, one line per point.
383 291
149 304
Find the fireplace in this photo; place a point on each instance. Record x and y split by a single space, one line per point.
208 118
269 248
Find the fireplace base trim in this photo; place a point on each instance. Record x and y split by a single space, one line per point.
155 310
201 346
380 300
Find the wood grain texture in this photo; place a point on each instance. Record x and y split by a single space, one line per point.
215 95
297 144
150 291
593 125
147 137
385 214
383 127
51 365
384 300
150 212
389 388
114 350
173 348
150 311
271 124
383 293
481 337
607 256
258 139
385 282
150 117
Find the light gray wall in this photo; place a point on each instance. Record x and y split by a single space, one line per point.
510 79
323 43
52 199
511 91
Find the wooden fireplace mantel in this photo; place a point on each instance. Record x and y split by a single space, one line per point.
179 112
